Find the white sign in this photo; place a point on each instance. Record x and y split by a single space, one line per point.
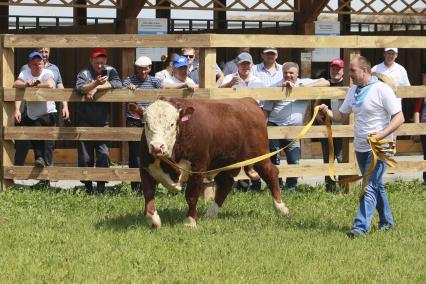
326 29
152 27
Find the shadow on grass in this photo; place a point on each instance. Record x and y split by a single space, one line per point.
169 217
315 223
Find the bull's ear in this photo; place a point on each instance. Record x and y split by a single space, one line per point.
136 109
185 114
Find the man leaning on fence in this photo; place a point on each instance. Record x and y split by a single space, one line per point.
377 113
37 113
96 77
140 80
287 113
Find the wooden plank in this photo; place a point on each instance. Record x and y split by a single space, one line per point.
6 113
126 174
118 95
134 134
312 41
212 40
123 95
207 68
108 40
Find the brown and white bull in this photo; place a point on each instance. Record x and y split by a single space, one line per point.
200 135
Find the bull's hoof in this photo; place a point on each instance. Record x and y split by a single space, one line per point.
280 208
190 222
212 211
153 220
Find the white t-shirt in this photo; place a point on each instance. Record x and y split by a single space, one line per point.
38 109
253 82
396 72
174 80
373 115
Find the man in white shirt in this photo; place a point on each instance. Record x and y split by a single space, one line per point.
38 113
392 69
287 113
377 112
243 78
180 79
269 71
231 66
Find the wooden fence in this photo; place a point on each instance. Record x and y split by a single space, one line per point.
207 44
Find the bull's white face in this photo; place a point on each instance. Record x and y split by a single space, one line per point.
161 128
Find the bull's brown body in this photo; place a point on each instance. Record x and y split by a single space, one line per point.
218 133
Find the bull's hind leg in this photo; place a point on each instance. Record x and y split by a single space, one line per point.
269 173
148 187
192 193
224 182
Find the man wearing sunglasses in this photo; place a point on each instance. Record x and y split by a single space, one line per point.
194 66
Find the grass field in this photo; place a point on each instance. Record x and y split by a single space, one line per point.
68 236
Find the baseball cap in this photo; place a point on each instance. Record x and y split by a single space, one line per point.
337 62
143 61
391 49
99 52
34 54
244 57
270 49
180 61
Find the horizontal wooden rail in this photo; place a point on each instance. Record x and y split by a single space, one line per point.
211 40
126 174
124 95
134 134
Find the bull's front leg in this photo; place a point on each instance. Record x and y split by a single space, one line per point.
148 187
192 193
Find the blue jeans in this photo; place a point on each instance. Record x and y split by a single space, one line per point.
374 198
293 157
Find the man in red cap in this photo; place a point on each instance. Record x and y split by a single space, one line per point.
96 77
336 80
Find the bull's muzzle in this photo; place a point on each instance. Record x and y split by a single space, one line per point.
158 150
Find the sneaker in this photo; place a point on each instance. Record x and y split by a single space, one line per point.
385 227
352 234
41 184
256 185
100 187
40 163
89 187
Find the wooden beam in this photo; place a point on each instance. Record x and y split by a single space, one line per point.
134 134
130 9
126 174
123 95
207 68
80 14
213 41
308 12
7 79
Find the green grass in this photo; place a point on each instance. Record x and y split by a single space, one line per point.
68 237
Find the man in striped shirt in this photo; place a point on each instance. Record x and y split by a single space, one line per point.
269 71
140 80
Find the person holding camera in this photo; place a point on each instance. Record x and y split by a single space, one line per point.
98 76
37 113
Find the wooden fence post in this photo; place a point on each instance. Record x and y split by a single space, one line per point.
348 143
207 69
6 115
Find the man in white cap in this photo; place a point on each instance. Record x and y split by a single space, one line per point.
392 69
140 80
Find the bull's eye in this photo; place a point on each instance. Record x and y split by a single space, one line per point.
146 125
172 125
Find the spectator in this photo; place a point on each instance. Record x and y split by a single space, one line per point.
377 112
168 68
419 115
23 146
180 79
336 70
37 113
243 78
269 71
287 113
140 80
96 77
231 66
194 67
392 69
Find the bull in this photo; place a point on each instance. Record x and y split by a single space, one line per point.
200 135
